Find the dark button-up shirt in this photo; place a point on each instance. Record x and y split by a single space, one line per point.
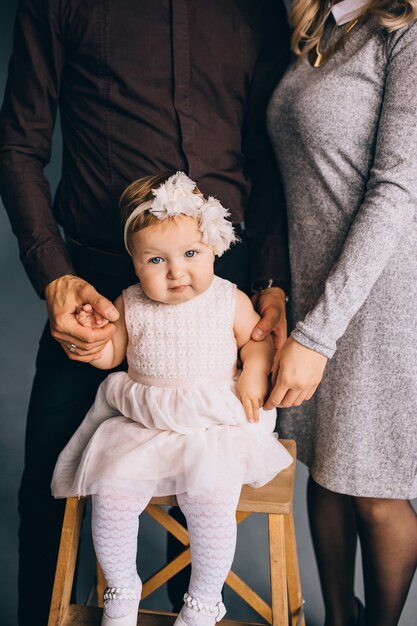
143 86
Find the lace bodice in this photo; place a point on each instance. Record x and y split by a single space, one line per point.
193 339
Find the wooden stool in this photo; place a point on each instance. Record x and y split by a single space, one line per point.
274 499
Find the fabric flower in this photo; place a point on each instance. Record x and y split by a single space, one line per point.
176 196
216 229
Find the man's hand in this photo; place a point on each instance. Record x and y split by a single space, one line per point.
270 304
64 296
298 372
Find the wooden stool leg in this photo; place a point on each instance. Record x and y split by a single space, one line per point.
67 556
293 574
278 568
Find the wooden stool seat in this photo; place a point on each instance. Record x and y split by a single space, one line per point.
274 499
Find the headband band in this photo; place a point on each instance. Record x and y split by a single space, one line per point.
176 197
139 209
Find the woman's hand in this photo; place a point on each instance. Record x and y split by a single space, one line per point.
296 375
251 388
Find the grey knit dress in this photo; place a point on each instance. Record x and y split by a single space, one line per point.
345 136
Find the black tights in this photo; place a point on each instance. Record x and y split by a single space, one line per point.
387 530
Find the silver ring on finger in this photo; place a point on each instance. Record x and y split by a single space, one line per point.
73 348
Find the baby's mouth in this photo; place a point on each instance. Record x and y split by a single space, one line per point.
178 287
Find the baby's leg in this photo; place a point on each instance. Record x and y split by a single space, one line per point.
115 525
211 521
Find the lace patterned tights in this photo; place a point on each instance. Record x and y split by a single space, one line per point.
212 528
114 526
211 522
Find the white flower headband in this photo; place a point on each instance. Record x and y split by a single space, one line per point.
175 197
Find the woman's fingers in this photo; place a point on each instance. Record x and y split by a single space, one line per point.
311 392
290 398
275 369
277 394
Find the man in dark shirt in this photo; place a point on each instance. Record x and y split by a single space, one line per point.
142 86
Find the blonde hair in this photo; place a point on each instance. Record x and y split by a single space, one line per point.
309 16
135 194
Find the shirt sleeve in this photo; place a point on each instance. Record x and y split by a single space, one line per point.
265 216
26 125
388 209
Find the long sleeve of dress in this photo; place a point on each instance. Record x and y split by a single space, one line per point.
26 125
388 208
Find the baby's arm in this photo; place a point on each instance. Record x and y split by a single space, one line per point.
114 351
256 356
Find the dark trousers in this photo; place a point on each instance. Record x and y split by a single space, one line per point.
62 393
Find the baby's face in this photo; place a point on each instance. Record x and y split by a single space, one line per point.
171 262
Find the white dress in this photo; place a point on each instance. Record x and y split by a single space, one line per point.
173 420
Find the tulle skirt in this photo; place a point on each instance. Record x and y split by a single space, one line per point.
176 439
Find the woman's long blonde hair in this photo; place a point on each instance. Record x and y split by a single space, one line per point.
308 18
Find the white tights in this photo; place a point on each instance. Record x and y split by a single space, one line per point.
212 529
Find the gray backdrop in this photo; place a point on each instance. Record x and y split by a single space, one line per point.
22 316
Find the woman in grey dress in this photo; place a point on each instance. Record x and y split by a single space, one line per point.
344 124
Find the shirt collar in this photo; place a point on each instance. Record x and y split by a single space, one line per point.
347 10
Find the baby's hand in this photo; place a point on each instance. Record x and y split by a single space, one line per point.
251 389
87 316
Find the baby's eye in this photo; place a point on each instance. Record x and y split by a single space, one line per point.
155 260
190 253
